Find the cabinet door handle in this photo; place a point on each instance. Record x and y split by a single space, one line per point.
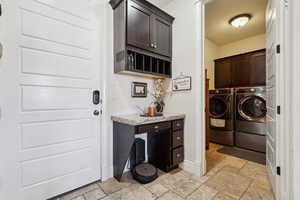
152 45
178 125
178 155
178 138
156 127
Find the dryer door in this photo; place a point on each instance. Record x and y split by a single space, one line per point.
252 108
217 107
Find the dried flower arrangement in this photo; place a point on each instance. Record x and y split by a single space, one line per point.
159 94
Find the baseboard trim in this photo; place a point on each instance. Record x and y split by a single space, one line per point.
192 167
107 172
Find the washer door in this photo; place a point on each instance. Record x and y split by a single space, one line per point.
252 108
217 106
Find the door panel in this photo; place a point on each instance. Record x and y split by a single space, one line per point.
54 64
162 36
258 66
52 98
241 71
73 35
223 73
47 77
47 133
139 26
81 11
37 171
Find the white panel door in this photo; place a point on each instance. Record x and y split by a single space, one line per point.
274 76
50 138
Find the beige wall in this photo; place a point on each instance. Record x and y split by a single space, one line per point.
211 53
187 60
242 46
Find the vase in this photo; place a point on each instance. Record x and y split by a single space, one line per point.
159 107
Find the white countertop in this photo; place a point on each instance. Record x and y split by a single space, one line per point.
136 119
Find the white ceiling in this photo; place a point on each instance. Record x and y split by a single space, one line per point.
219 12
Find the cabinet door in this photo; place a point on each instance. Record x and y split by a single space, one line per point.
159 149
161 36
241 71
258 65
139 24
223 73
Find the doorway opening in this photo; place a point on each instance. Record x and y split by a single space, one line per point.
237 100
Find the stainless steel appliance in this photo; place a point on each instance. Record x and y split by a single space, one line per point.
251 118
221 116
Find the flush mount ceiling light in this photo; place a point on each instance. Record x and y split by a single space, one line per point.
240 20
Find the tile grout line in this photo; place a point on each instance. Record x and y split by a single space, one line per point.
110 193
215 196
194 191
157 197
252 181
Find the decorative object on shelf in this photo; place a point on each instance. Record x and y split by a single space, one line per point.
145 112
139 89
152 110
131 62
159 95
156 115
182 83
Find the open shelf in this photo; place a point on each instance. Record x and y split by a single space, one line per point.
138 62
147 64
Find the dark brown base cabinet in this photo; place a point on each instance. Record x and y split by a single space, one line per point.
142 39
245 70
165 144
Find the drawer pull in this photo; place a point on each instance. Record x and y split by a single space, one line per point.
177 124
178 155
156 127
178 138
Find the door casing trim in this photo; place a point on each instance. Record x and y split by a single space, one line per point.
286 144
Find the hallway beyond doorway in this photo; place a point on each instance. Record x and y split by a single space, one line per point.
240 179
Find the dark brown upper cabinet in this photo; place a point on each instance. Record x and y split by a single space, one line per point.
139 23
142 39
241 71
223 73
245 70
258 66
162 36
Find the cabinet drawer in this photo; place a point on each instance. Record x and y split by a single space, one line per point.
154 127
178 124
178 156
177 139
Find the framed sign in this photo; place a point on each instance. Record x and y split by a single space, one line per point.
139 89
182 84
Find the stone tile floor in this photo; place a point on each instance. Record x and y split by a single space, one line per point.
228 178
